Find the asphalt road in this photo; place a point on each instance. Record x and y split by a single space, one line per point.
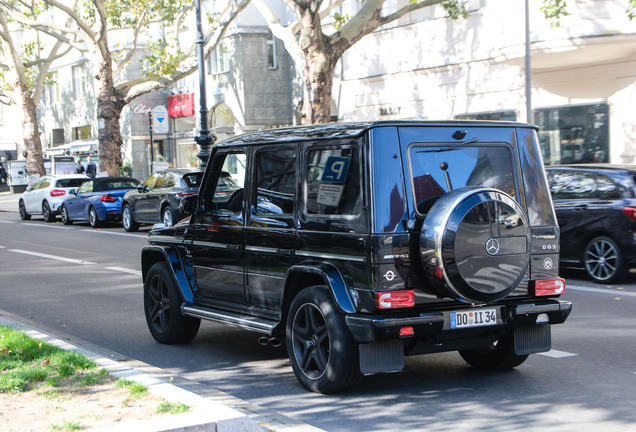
87 283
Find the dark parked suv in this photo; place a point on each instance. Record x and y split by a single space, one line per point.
359 244
157 198
596 210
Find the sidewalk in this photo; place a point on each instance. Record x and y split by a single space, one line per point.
208 412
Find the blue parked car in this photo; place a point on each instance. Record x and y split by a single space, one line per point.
97 201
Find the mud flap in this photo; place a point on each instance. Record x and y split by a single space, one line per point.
532 339
379 357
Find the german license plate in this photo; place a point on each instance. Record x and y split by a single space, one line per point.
473 318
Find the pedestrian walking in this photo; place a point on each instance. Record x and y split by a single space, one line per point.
91 168
79 168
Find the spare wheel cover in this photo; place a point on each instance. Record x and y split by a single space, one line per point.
474 244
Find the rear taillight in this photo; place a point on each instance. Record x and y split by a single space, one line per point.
57 192
546 287
395 299
630 212
185 194
107 198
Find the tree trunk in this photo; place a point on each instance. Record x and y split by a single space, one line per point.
319 66
109 106
31 131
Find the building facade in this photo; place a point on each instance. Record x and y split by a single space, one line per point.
583 74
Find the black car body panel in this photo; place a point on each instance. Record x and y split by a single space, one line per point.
163 189
347 208
593 201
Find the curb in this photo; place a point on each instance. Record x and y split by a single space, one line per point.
205 415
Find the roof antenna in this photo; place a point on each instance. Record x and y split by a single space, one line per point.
444 166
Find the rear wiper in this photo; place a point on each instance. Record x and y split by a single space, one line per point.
451 148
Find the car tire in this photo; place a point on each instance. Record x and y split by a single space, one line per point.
322 351
128 219
498 356
93 219
66 220
167 217
604 261
162 307
24 215
47 214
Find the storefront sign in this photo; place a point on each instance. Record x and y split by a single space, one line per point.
141 109
181 105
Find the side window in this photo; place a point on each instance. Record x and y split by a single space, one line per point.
275 181
37 185
86 187
606 188
228 191
332 187
161 180
168 180
150 181
572 185
45 183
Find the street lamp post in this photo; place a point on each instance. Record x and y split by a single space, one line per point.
528 71
204 139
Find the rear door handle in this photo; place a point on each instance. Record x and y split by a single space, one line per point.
286 252
235 247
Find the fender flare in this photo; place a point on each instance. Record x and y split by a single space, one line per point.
151 255
333 279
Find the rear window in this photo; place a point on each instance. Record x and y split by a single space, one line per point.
70 183
113 185
436 169
193 180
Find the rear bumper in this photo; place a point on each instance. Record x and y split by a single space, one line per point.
436 324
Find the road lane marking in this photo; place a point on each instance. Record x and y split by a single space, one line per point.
114 233
613 292
557 354
48 226
125 270
53 257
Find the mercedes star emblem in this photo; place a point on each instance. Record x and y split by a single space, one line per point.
492 246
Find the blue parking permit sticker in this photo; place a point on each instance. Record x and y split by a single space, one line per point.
335 170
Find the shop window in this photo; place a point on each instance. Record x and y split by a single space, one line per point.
574 134
82 133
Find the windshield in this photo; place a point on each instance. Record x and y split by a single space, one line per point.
436 169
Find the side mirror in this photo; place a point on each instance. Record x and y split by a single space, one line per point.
189 204
141 189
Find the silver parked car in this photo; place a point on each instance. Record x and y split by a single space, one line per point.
46 195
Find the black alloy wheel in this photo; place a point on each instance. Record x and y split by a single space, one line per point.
47 213
128 220
498 356
24 215
66 220
604 262
162 306
93 219
322 351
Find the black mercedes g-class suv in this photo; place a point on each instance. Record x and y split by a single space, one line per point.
358 244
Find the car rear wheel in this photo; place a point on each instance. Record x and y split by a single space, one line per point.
162 306
128 220
24 215
168 217
47 214
66 220
93 219
322 351
604 262
498 356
